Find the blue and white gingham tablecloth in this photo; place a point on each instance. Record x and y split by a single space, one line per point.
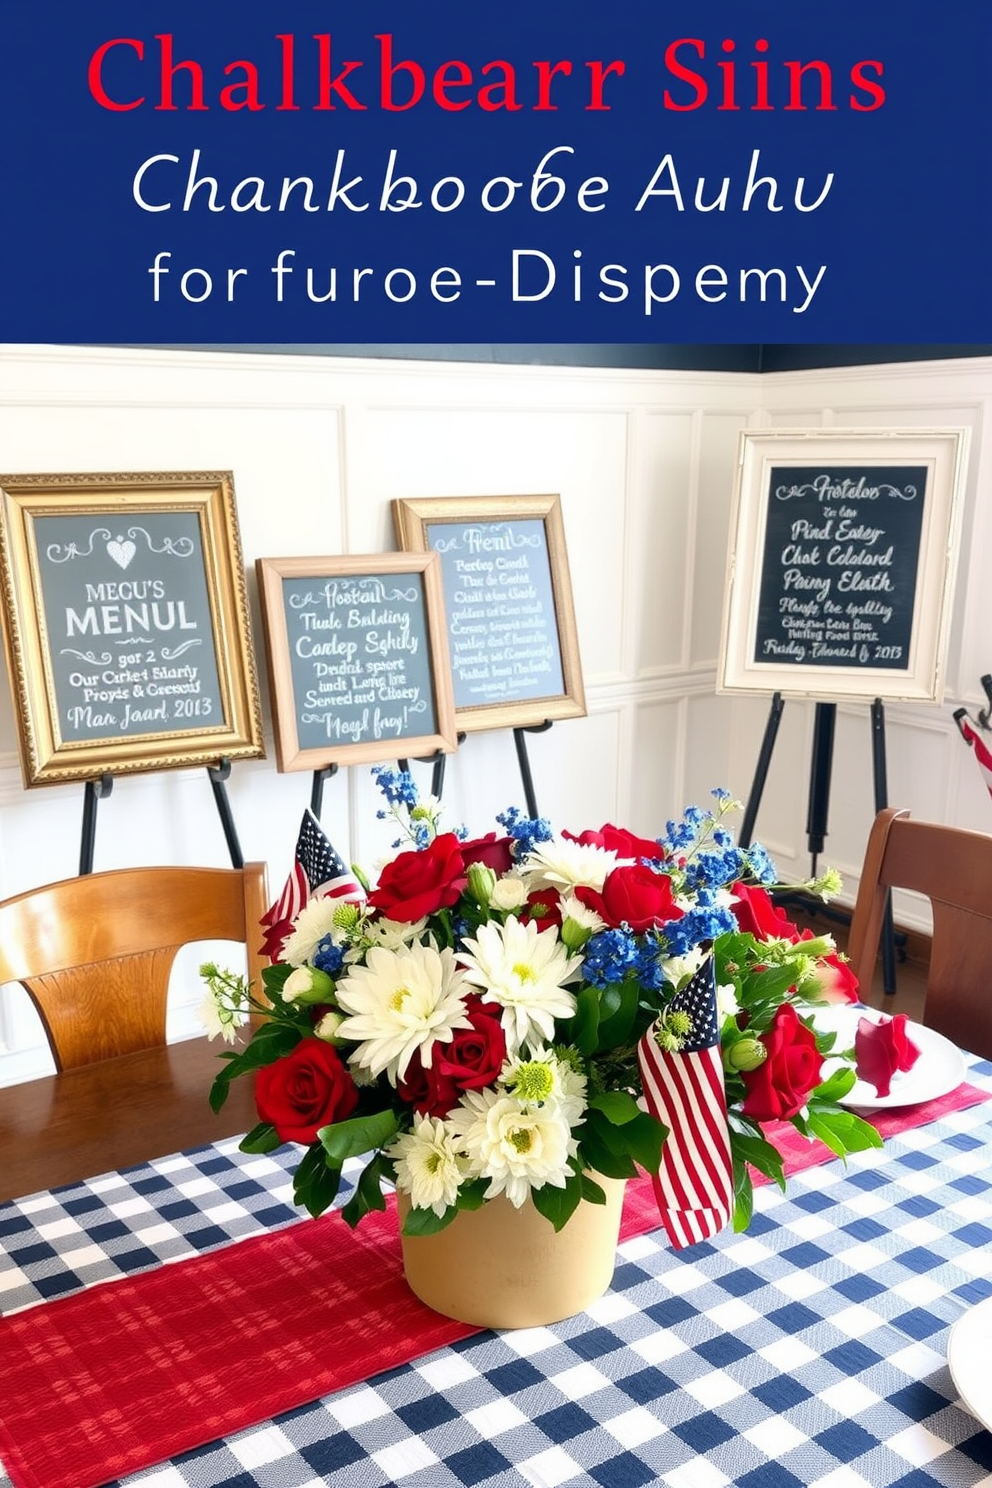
809 1352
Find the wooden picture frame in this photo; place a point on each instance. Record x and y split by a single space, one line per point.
126 628
842 561
358 659
508 598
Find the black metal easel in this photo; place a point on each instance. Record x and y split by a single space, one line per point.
98 790
439 759
821 767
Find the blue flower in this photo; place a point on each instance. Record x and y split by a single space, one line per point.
649 972
397 786
761 864
328 957
525 832
705 922
610 956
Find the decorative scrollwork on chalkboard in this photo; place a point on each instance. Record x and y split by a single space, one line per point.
120 548
352 591
492 537
168 655
88 656
826 488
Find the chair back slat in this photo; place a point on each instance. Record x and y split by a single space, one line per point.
95 953
953 868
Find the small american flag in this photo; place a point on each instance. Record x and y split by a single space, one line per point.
317 871
694 1186
978 746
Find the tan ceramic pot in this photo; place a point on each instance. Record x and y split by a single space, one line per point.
503 1267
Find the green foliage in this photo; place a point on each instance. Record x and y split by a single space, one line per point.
368 1193
261 1138
558 1204
361 1134
315 1183
269 1042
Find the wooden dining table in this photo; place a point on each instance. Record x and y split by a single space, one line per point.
807 1352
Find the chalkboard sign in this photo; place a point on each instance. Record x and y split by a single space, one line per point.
126 623
841 564
358 659
508 600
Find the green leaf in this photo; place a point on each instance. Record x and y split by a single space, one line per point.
847 1132
743 1197
616 1029
591 1191
609 1001
761 1155
315 1185
839 1083
269 1042
426 1222
473 1195
615 1150
368 1194
261 1138
361 1134
558 1204
616 1105
596 1155
821 1126
582 1029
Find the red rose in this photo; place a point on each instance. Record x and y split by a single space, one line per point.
469 1061
778 1088
492 851
617 839
755 911
882 1049
835 979
543 907
307 1089
418 883
635 896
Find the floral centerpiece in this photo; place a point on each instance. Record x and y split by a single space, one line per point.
501 1016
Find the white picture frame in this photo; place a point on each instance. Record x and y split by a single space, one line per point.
841 564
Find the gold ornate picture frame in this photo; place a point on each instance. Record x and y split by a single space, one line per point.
126 623
358 658
508 597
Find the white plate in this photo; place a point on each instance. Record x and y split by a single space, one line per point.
939 1069
969 1345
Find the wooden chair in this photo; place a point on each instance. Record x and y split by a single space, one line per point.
95 955
953 867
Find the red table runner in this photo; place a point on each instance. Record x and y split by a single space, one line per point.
133 1371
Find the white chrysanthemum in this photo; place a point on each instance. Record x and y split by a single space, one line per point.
314 921
523 970
677 969
427 1166
538 1076
394 933
727 1005
508 892
564 864
573 909
517 1148
400 1001
219 1017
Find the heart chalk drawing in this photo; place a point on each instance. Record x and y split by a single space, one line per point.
121 550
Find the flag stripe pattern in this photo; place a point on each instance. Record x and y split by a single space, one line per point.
694 1186
979 747
317 871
